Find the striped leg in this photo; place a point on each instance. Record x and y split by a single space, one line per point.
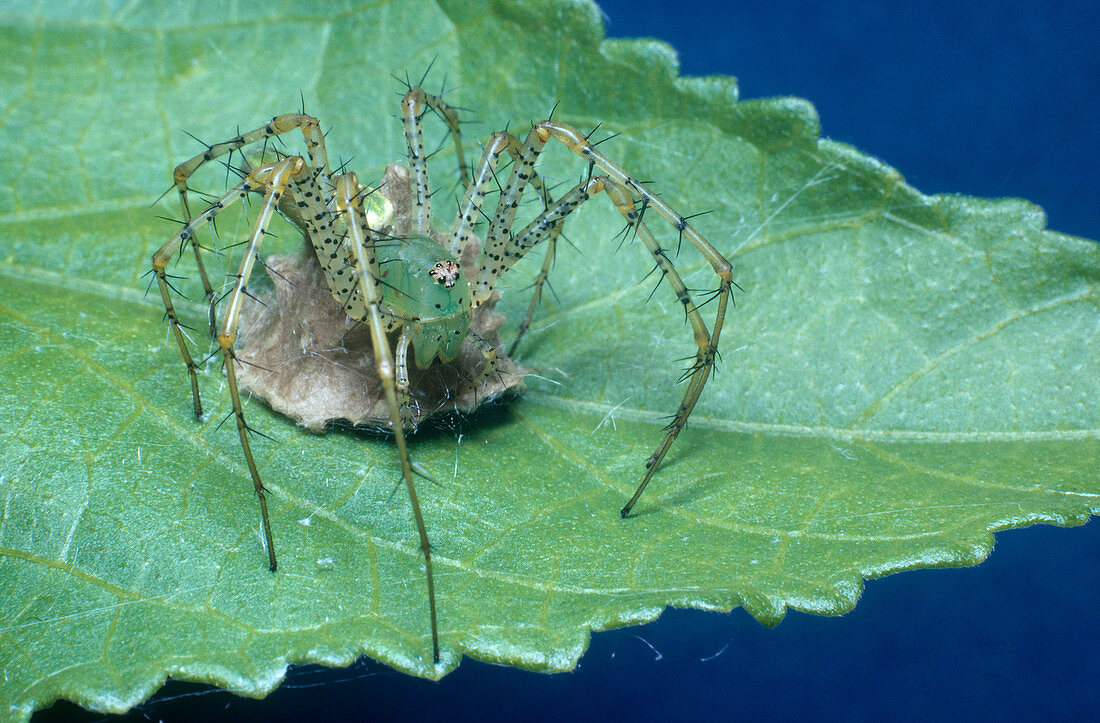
254 182
470 211
488 356
502 249
276 178
577 142
366 266
413 106
706 341
315 147
273 180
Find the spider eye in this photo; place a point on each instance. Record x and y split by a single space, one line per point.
445 273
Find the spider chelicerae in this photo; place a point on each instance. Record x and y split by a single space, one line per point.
408 287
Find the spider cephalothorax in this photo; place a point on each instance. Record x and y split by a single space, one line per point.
406 288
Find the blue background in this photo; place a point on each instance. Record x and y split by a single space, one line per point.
981 98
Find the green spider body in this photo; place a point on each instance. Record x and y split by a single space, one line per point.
435 315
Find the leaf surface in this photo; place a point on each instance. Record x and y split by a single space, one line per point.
902 376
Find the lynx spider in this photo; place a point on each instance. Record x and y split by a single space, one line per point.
328 208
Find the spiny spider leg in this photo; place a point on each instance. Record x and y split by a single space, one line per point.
478 190
707 342
367 272
273 179
315 146
311 130
165 254
544 225
488 355
413 107
516 150
536 293
502 249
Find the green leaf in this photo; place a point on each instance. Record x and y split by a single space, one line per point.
902 376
